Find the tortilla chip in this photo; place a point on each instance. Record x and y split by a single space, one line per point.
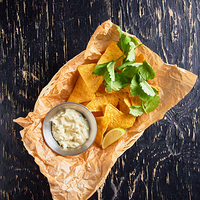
101 91
81 93
98 114
140 58
113 52
98 102
122 93
117 118
135 101
124 105
92 81
85 103
102 124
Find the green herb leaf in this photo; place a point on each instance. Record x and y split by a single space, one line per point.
124 41
112 85
147 71
146 87
152 104
111 69
107 82
100 69
135 87
120 30
124 65
130 71
136 110
131 54
123 79
144 96
134 41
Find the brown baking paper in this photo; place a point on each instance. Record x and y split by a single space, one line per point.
78 177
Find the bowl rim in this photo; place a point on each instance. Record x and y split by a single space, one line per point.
53 144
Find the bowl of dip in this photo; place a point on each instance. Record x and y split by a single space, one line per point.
69 129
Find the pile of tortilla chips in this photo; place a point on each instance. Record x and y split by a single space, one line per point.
78 177
111 109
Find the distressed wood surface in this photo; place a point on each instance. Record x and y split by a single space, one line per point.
38 37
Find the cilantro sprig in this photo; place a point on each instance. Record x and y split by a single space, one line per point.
130 73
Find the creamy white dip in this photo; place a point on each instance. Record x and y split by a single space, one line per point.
70 128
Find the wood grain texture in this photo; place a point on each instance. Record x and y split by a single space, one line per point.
38 37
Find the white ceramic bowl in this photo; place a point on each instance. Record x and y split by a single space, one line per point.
51 142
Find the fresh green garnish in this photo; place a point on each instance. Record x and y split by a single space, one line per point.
130 73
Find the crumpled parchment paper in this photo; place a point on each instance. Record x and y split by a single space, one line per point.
78 177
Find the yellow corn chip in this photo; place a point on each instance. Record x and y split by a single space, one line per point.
81 93
98 114
126 89
117 118
135 101
98 102
101 91
92 81
85 103
113 52
124 105
122 93
140 58
102 124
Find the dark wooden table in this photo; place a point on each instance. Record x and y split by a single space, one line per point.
38 37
